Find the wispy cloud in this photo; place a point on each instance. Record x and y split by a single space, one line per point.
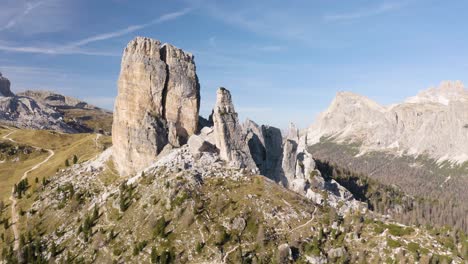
14 20
76 47
130 29
56 50
381 9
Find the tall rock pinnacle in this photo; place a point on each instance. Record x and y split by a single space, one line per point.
230 138
157 103
5 87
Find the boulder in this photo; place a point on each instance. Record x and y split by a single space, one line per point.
198 145
157 103
229 135
336 252
207 133
284 254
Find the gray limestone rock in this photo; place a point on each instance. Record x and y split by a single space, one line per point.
229 135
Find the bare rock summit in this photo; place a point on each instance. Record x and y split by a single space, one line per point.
157 104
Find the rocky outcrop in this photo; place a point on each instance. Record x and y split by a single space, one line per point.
79 115
56 100
157 103
431 123
296 163
25 112
5 87
265 144
229 135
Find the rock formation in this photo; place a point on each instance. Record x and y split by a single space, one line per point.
157 103
56 100
229 135
25 112
297 164
5 87
265 144
434 123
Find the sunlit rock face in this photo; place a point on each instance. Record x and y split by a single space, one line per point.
157 104
433 123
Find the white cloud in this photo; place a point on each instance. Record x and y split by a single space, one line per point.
381 9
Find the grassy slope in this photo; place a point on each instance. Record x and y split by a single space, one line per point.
91 118
64 146
198 220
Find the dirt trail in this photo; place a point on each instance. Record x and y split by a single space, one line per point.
14 213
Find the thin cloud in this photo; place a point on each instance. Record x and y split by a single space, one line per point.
29 7
53 50
130 29
384 8
75 47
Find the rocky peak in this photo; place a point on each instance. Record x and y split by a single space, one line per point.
229 135
446 92
431 123
157 103
349 99
5 87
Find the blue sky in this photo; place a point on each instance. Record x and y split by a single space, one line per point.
282 60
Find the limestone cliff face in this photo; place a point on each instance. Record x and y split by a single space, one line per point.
433 123
158 96
182 99
5 87
229 135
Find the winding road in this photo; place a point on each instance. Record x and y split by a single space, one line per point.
14 213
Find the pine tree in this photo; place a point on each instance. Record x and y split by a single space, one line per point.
95 213
67 163
53 249
75 159
154 255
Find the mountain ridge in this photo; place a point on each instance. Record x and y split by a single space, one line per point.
431 123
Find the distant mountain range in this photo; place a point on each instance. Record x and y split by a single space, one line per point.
434 124
50 111
418 147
